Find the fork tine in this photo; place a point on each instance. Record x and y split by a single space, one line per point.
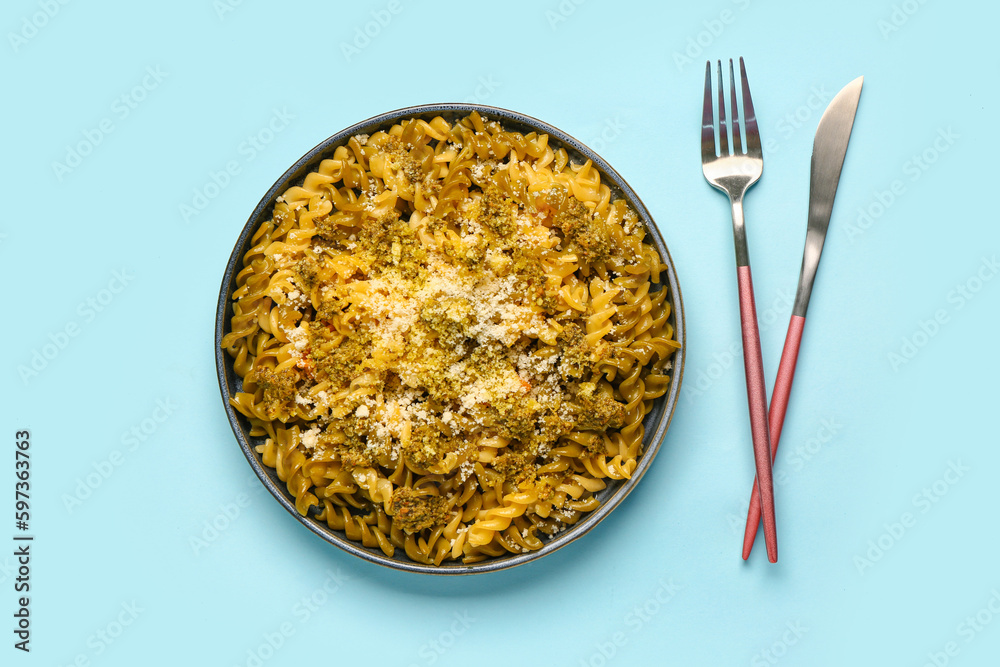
723 128
737 146
749 118
707 122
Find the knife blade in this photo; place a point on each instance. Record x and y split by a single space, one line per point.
829 151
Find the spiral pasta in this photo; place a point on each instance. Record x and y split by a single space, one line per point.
448 336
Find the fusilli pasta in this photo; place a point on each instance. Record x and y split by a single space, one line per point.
449 336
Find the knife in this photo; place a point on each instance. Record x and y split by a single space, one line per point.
829 149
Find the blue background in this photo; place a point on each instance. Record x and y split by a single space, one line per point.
872 570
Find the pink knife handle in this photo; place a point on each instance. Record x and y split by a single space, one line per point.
779 403
757 400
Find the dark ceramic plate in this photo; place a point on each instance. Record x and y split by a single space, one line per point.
655 423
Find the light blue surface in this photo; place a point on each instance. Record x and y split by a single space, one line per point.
661 581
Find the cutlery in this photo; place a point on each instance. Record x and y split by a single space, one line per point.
734 172
829 149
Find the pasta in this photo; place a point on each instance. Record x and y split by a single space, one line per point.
449 336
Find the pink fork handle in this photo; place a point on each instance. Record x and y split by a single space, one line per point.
757 400
779 404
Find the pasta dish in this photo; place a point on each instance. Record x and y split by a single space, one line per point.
448 336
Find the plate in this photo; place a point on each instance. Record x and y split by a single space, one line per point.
655 422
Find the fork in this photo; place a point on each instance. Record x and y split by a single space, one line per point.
733 173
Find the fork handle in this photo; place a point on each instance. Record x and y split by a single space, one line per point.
779 404
757 401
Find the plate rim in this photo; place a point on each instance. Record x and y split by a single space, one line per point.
591 519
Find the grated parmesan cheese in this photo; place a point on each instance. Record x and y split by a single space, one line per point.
311 438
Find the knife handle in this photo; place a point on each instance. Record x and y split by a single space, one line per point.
757 401
779 404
